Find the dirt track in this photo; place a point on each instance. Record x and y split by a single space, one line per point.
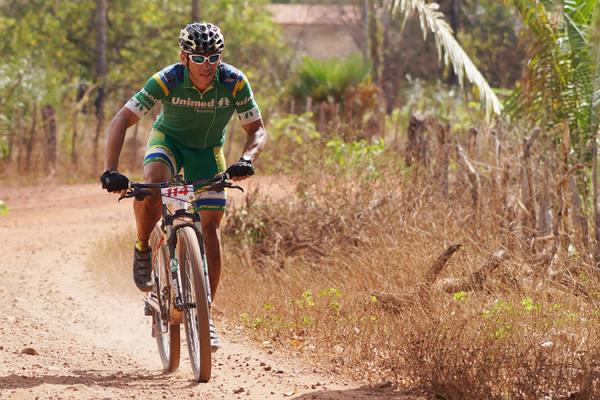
95 344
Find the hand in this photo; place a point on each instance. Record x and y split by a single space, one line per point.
242 169
113 181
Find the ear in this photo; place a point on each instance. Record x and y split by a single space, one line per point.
183 57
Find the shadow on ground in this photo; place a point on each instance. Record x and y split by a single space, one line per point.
84 377
365 393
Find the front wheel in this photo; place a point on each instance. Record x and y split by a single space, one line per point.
167 334
195 316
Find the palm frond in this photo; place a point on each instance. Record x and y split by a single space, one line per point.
562 83
431 19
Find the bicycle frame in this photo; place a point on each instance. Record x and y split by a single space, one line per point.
169 229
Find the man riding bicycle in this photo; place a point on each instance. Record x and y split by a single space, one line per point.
198 95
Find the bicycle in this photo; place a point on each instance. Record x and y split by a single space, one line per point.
181 291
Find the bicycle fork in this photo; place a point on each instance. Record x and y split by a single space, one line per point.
200 238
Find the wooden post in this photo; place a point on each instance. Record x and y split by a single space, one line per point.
595 202
579 220
416 146
321 123
545 218
443 158
472 148
527 191
473 177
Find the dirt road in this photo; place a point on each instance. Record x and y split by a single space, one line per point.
87 342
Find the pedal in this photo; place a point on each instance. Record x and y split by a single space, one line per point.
150 304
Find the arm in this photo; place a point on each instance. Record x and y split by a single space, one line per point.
116 136
256 139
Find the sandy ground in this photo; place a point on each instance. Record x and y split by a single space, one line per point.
90 342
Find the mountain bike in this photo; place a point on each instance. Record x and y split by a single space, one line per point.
181 291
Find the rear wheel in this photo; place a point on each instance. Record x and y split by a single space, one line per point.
195 317
167 334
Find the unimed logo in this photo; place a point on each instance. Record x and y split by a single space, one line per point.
178 101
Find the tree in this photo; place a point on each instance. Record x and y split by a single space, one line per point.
432 20
100 73
195 10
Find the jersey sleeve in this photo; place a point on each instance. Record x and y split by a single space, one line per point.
245 105
142 102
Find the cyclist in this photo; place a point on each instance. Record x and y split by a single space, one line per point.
198 95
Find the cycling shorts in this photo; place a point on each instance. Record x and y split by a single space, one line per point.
197 164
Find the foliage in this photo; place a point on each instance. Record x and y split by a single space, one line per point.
298 128
357 155
329 79
448 48
562 83
48 54
489 35
442 101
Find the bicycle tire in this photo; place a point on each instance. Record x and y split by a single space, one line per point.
195 319
168 342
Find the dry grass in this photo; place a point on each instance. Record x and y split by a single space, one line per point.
111 262
339 273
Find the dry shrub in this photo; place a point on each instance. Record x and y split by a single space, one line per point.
337 272
110 261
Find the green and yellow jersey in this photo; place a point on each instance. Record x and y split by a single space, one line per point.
196 119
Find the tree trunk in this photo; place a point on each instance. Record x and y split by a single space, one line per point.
30 142
454 24
100 78
195 10
365 19
49 124
14 132
595 200
20 137
375 42
75 138
136 131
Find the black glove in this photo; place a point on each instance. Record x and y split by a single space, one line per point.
243 167
113 181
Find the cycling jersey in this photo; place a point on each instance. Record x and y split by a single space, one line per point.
193 118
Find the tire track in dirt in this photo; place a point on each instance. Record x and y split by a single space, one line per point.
96 344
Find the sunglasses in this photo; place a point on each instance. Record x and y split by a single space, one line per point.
198 59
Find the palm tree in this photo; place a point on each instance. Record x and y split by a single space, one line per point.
562 81
562 84
432 20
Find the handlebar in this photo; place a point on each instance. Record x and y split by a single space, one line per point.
218 183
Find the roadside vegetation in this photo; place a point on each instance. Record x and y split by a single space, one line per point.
442 229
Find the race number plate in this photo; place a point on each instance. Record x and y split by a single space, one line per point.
178 197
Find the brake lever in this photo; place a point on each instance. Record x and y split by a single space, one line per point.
138 193
232 186
130 193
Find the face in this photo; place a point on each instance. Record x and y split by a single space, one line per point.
202 73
